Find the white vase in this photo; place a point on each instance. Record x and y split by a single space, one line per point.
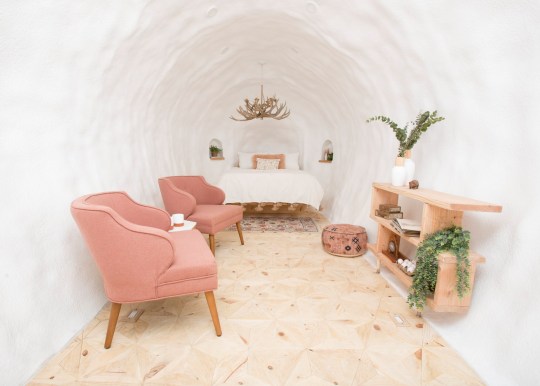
409 167
398 172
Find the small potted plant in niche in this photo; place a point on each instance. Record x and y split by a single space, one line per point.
330 157
403 172
214 151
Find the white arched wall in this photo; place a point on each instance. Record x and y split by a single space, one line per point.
101 96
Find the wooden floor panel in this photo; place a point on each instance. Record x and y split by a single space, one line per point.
291 314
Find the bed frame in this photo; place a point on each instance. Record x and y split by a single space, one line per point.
271 207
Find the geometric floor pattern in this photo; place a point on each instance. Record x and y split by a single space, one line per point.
291 314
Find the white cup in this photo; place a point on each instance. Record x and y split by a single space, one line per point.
178 219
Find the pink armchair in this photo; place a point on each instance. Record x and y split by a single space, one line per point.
201 202
138 259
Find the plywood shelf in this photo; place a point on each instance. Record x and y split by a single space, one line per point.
440 210
414 240
439 199
392 267
217 158
325 161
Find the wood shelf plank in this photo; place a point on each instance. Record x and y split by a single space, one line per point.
325 161
475 258
392 267
439 199
414 240
444 307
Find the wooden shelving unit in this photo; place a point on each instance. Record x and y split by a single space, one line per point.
440 210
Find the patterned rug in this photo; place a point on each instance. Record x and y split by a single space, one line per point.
276 224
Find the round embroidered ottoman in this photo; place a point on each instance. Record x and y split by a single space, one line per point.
344 240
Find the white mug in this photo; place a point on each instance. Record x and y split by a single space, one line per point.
178 219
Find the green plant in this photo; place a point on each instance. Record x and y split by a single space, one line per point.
454 240
330 157
408 140
214 149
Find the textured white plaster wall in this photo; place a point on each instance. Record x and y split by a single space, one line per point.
100 95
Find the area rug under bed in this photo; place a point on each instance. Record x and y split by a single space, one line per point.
276 224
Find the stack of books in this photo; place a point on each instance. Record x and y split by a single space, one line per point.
389 211
407 226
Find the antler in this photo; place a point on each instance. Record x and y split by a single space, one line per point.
260 109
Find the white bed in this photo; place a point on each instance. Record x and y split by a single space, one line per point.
281 185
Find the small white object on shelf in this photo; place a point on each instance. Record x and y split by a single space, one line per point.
409 167
188 225
398 172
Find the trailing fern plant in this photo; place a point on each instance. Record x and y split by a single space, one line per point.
408 140
454 240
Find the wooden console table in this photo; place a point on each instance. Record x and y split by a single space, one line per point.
440 210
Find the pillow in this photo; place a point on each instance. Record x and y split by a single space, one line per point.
280 157
291 161
245 160
267 163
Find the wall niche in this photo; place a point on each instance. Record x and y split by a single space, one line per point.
215 150
327 152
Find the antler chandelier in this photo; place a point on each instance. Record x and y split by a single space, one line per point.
262 108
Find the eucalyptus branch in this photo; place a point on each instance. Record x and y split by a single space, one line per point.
422 123
401 134
407 141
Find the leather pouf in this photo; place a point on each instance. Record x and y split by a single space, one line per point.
344 240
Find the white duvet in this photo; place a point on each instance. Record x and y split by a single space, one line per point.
283 185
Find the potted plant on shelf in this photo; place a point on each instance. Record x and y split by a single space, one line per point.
214 151
403 172
454 240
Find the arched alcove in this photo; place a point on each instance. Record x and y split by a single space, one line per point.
215 149
327 151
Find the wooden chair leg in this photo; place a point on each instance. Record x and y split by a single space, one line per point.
213 311
239 229
212 240
113 318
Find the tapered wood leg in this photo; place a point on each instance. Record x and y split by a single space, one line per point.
239 229
113 318
212 240
213 311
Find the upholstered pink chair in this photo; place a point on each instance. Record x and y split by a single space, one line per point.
201 202
139 260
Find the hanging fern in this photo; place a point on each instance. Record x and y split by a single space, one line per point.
407 141
454 240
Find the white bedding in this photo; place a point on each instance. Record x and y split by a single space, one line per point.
282 185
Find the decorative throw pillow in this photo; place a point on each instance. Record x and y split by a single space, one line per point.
280 157
267 164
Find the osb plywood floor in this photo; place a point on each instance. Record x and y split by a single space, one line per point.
291 315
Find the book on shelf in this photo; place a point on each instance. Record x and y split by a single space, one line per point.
388 215
389 208
407 226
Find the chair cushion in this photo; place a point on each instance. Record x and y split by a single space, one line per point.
214 218
193 269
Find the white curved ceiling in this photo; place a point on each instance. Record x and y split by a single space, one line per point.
111 95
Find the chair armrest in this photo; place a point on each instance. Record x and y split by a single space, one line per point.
129 256
210 194
128 209
175 199
150 216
